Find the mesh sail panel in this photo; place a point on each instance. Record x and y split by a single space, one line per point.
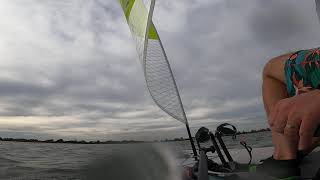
157 71
160 81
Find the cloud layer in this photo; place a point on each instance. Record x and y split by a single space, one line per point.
69 69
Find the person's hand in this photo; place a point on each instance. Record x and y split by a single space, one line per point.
297 117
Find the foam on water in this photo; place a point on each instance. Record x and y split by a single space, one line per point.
142 162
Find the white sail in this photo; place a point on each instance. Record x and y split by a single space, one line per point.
157 71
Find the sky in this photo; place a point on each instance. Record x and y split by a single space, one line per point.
69 69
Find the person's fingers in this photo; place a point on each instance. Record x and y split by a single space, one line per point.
292 132
306 132
315 143
292 127
280 121
273 114
279 116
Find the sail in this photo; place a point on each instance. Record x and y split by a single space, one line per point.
157 71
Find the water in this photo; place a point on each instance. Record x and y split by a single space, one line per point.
101 161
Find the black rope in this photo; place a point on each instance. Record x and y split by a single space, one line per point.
248 148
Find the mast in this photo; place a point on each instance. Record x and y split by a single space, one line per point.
194 150
157 71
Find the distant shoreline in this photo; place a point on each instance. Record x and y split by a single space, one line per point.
61 141
238 133
254 131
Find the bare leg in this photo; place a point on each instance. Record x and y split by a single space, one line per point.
274 89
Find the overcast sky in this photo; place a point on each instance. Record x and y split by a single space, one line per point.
69 69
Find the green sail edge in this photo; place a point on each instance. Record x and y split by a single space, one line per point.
139 11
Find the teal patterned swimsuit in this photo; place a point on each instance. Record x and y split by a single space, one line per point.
302 71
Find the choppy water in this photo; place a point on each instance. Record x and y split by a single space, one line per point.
75 161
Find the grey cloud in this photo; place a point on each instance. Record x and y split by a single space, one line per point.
81 65
284 22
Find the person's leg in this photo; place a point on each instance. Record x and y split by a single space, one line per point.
273 90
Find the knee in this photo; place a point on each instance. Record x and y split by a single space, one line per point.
275 67
269 67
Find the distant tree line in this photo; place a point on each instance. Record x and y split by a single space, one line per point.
111 141
173 140
239 132
254 131
69 141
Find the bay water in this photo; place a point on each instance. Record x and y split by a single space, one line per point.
36 161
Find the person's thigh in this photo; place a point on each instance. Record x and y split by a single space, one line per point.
302 71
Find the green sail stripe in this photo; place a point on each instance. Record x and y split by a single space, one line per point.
137 15
153 33
127 6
